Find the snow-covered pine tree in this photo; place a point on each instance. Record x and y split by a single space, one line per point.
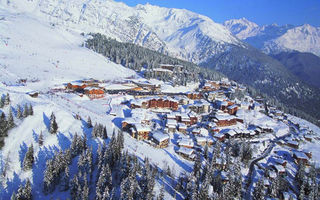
20 192
28 159
40 139
27 191
10 119
64 179
101 184
25 111
7 100
94 132
19 112
302 190
3 125
53 124
89 122
106 194
30 110
74 185
2 101
85 190
48 179
197 166
104 133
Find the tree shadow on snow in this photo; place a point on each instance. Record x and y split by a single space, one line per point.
40 165
35 136
179 162
88 133
22 153
63 141
118 122
12 186
46 121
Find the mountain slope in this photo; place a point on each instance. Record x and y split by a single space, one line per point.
274 39
33 50
306 66
186 34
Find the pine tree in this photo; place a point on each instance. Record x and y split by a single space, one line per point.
85 191
10 120
197 166
53 124
104 133
2 101
3 125
30 110
64 180
28 159
19 112
27 192
20 192
89 122
7 100
25 111
206 152
40 139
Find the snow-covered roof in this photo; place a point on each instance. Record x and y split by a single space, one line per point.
186 142
232 106
159 136
224 116
142 128
300 155
171 122
162 70
201 139
185 151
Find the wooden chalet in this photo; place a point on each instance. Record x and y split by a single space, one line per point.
160 139
194 95
186 142
232 110
155 103
300 157
224 119
141 132
186 153
94 92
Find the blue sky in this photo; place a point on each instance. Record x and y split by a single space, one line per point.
294 12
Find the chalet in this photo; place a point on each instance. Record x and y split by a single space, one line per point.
202 141
182 128
185 119
160 139
194 95
186 153
300 157
155 103
292 144
308 153
219 164
94 92
219 136
200 107
229 133
141 132
171 125
232 109
76 86
193 118
224 119
279 169
33 94
281 162
186 142
308 137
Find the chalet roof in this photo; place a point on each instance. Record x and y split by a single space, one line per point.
171 122
162 70
300 155
218 135
232 106
182 126
223 116
292 142
142 128
201 139
186 142
159 136
185 151
279 168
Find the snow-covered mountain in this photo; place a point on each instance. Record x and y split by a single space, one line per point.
274 38
242 28
180 32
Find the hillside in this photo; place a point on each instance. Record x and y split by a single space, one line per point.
306 66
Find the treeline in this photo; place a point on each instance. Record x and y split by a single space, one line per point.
139 58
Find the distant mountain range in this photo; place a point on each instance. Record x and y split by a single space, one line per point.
274 39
